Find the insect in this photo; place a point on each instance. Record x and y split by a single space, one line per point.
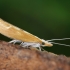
19 35
23 37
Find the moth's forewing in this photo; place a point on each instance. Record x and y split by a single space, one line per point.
14 32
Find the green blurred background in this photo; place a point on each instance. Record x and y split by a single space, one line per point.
47 19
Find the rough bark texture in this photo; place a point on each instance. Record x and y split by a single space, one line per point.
14 57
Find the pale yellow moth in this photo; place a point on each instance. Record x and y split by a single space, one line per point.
18 34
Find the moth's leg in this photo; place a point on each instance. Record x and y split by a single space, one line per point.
39 48
34 45
43 49
15 41
23 44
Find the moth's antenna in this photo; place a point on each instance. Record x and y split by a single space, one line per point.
60 44
58 39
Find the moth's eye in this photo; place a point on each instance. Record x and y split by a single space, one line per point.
43 43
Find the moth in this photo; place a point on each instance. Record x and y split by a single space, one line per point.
25 38
19 35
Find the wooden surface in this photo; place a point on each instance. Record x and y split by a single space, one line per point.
14 57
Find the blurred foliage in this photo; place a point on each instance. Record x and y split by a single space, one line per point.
43 18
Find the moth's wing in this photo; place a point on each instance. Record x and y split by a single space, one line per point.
14 32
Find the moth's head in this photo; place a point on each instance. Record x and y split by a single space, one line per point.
46 43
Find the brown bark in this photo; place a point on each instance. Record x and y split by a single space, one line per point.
14 57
